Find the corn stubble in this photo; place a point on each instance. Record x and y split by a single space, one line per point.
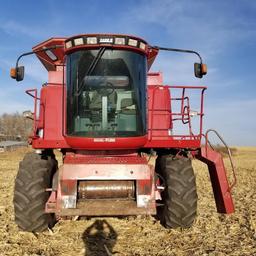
211 234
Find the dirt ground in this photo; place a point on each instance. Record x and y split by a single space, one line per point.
211 234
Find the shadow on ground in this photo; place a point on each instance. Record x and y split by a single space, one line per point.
99 239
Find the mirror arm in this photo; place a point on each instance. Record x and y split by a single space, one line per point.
22 55
33 52
178 50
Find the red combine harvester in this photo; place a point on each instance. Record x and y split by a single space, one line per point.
107 114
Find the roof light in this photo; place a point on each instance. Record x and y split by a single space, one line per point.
91 40
105 39
132 42
68 44
142 46
120 40
78 41
51 55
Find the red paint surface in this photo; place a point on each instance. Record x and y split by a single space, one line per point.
120 165
160 117
220 184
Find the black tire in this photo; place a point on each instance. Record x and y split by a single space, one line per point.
34 176
179 198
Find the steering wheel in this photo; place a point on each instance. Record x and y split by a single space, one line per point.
105 89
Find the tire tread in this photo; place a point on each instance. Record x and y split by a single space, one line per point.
180 196
30 195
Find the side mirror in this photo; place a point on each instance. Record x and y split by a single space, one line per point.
200 70
17 73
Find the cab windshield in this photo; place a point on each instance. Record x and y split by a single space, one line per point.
106 93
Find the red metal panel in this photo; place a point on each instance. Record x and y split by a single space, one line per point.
51 107
50 118
53 112
42 143
155 78
108 208
72 158
220 185
100 172
169 142
159 110
152 54
68 187
106 143
55 77
48 63
159 98
70 174
50 206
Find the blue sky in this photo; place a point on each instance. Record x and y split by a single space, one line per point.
224 32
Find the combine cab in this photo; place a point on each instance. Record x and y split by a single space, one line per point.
108 113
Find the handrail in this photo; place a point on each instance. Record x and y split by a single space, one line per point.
28 92
33 94
228 150
184 114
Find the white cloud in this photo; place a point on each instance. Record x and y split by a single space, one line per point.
12 27
208 26
213 28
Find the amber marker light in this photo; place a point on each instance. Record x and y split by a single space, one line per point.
204 69
13 73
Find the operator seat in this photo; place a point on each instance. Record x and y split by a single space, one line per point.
127 118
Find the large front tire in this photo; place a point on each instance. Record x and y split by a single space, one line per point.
34 176
179 199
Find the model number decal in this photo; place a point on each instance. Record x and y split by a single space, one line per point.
104 140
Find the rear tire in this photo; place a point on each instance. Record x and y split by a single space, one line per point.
34 176
179 198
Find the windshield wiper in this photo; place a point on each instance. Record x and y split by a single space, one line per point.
90 70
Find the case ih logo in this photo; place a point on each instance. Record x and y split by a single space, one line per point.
106 40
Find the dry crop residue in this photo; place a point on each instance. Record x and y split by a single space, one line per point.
211 234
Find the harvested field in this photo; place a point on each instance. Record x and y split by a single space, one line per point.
212 233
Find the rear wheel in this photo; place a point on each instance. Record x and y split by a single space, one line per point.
34 176
179 199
